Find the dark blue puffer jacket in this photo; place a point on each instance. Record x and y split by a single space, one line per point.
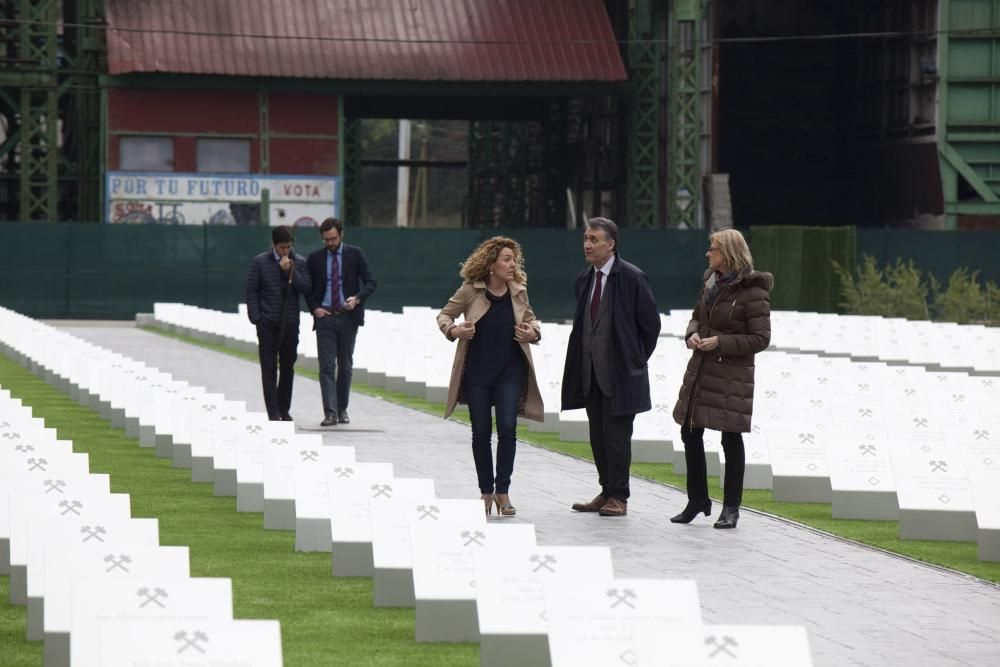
264 286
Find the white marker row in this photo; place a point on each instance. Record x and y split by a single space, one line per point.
438 555
877 441
936 345
99 587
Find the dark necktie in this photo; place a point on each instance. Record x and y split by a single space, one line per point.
595 301
335 283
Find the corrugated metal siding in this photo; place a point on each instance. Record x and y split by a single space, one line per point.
431 40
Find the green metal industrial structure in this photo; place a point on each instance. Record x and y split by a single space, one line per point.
50 104
903 80
968 136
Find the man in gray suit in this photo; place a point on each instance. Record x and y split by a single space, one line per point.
614 334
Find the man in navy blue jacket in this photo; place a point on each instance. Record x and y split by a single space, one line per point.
276 279
341 283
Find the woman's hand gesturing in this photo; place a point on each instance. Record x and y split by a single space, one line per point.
466 330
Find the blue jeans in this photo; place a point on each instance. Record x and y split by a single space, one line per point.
335 336
505 396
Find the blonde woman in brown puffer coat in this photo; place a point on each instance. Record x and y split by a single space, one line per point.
730 324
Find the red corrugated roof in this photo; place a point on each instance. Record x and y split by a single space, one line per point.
430 40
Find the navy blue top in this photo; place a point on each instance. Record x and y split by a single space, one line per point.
494 356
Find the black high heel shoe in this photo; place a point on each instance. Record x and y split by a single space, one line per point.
691 511
728 517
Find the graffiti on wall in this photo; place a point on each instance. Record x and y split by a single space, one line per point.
224 199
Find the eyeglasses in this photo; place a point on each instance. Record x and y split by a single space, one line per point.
713 249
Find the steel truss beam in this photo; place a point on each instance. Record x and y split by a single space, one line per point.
50 100
352 171
684 170
644 56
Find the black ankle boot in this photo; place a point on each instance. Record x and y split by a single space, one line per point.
728 517
691 511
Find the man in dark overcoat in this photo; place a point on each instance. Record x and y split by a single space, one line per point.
615 330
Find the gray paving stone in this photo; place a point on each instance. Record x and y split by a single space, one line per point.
859 605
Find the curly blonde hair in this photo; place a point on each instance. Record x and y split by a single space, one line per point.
477 266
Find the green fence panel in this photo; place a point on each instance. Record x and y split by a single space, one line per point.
936 252
779 251
33 269
800 259
115 271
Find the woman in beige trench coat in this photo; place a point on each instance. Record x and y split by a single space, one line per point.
493 366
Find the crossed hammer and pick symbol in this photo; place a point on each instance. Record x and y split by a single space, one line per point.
867 450
721 646
37 464
543 561
344 472
425 511
382 490
473 537
117 563
56 485
192 641
309 455
93 533
70 507
938 466
621 597
153 597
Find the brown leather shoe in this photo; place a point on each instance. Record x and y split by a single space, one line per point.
614 507
593 506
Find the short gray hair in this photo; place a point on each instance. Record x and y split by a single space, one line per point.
609 228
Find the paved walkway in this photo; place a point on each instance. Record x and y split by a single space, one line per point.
860 606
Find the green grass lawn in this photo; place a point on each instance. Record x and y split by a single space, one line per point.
327 621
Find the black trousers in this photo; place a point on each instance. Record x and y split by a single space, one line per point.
277 349
611 444
697 474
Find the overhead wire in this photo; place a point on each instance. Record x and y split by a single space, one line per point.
694 39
